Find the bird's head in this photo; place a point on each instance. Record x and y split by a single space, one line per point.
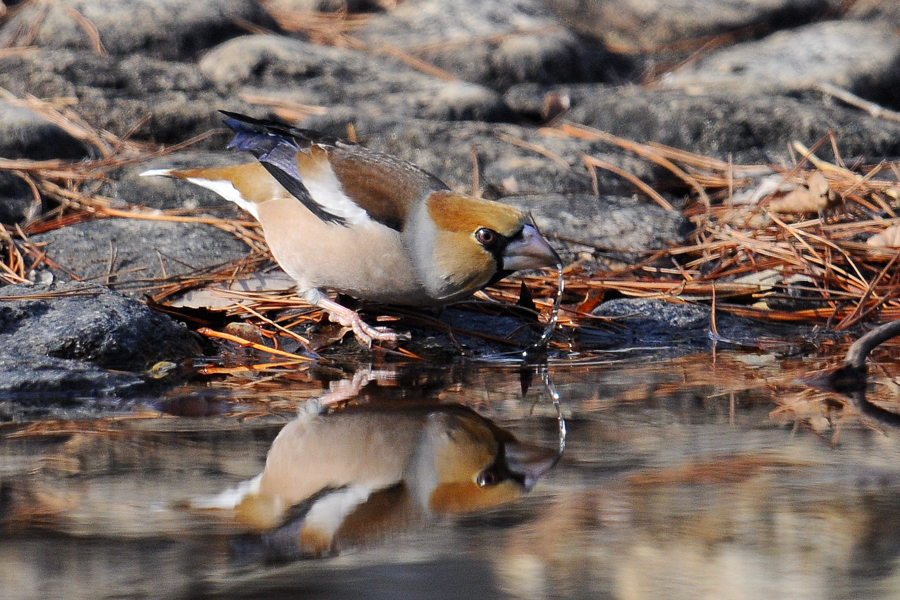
473 242
466 463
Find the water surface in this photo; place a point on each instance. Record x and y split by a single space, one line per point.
709 476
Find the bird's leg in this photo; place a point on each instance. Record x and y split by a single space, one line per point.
346 317
346 389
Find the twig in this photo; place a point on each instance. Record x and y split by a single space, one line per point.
247 343
853 100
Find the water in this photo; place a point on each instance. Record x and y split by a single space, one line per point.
699 477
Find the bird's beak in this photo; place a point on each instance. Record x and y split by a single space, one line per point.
529 251
529 463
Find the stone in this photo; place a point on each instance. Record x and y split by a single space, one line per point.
76 339
496 43
861 56
144 98
168 29
625 227
752 129
650 25
25 134
130 254
303 73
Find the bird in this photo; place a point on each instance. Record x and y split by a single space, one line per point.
339 479
340 217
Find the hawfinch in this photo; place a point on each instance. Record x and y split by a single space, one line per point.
336 480
340 217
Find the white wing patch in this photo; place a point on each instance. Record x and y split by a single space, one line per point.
328 513
325 190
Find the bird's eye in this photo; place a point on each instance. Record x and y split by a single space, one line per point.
487 479
486 237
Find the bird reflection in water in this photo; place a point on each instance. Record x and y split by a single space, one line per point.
343 479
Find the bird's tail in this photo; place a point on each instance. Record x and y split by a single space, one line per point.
246 185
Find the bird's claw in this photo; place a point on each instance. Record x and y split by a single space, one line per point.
366 334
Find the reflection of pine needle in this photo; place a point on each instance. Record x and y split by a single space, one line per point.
731 469
254 368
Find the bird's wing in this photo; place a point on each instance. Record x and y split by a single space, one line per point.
339 182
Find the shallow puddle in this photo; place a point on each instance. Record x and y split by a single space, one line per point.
710 476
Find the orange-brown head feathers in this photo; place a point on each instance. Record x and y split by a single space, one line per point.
466 215
467 237
464 243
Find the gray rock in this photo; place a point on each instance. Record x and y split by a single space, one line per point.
168 29
17 200
496 43
861 56
331 6
687 327
648 24
117 94
129 254
75 339
440 124
626 227
875 10
752 129
24 134
34 380
304 73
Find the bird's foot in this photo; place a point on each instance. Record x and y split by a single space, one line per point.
364 332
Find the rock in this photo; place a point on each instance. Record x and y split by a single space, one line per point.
168 29
645 25
34 380
502 68
686 327
17 201
496 43
130 253
24 134
861 56
329 6
303 73
875 10
74 339
142 97
752 129
626 227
